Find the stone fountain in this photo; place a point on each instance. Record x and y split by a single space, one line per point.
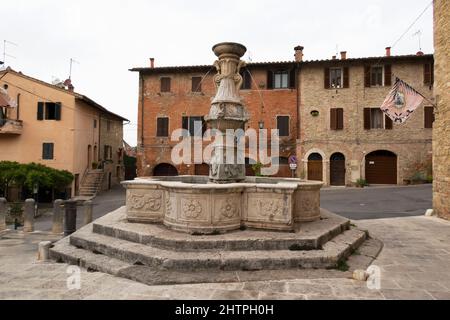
223 222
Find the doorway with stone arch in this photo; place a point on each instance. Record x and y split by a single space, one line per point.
337 169
165 170
315 167
381 167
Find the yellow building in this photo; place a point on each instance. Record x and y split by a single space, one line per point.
57 127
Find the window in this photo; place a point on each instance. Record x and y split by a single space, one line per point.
196 84
165 84
107 152
335 78
428 117
108 125
374 118
246 80
47 151
162 127
428 74
281 80
196 125
376 76
337 119
283 125
95 123
49 111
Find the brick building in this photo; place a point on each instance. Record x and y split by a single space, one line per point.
328 100
441 141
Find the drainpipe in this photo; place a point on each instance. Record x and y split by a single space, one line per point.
142 110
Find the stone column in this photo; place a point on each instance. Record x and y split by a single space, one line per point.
28 225
43 250
2 214
88 206
227 113
58 217
70 221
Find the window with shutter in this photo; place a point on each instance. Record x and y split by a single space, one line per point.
367 76
429 117
196 84
58 111
195 125
47 151
283 125
165 84
339 119
269 79
326 83
428 74
335 78
162 127
246 80
387 75
281 80
367 118
346 77
40 111
388 124
376 76
333 118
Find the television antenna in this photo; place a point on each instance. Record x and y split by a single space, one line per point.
71 63
418 34
5 54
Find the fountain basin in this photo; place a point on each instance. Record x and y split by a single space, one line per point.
193 205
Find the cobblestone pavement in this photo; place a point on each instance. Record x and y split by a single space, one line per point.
414 265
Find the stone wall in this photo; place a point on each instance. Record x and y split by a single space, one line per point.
441 143
354 142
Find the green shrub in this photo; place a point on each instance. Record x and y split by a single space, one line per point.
361 183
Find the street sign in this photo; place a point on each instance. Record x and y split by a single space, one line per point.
292 160
293 166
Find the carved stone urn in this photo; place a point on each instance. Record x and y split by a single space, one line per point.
227 114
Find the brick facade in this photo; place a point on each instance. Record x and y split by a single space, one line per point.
441 142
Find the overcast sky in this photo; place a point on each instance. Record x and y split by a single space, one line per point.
109 37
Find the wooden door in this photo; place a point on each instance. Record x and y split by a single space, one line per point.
337 170
381 168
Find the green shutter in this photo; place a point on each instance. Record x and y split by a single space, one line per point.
58 111
40 111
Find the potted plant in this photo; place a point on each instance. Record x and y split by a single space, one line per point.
361 183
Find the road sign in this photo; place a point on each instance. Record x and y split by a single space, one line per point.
293 166
292 160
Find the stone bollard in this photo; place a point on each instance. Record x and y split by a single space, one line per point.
28 225
70 221
88 206
58 215
44 250
2 214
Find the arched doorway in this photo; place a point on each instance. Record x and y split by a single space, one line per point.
95 154
249 172
165 170
381 167
284 170
337 169
202 169
315 167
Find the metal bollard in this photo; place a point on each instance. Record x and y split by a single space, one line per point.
70 221
88 206
28 225
58 217
2 214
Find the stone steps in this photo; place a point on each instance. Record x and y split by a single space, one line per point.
137 254
308 236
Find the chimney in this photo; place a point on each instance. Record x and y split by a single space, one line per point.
152 63
388 51
299 53
420 53
333 57
343 55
